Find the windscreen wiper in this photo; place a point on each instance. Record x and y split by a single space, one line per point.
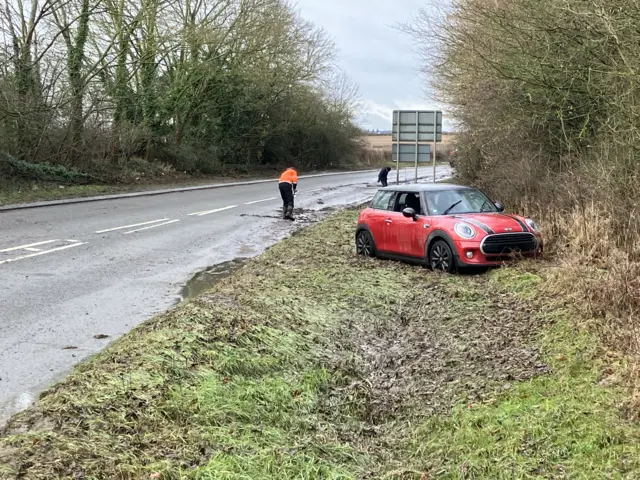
452 207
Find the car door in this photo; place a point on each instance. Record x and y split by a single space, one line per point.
406 236
377 221
398 227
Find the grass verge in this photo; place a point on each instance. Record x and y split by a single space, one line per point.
17 192
310 362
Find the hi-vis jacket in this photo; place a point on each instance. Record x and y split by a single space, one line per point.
290 176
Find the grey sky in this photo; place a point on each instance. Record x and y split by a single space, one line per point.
374 54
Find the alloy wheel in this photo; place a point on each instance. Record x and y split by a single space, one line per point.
441 257
364 245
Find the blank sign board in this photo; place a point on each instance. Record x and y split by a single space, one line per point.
416 126
408 153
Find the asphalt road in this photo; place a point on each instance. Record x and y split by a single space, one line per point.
73 272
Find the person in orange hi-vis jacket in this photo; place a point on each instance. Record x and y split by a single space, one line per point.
288 185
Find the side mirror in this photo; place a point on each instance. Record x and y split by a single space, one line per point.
499 206
410 213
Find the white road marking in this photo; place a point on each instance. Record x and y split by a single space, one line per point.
152 226
131 226
23 247
44 252
207 212
263 200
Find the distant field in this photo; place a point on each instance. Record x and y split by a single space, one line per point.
384 141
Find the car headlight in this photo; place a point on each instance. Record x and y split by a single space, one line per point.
465 230
533 225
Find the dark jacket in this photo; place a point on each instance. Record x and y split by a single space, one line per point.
383 174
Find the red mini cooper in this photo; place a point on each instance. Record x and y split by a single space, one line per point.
446 226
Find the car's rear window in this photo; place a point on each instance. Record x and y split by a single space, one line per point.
382 200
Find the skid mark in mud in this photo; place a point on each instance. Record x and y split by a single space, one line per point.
445 342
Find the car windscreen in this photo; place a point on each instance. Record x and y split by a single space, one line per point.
458 201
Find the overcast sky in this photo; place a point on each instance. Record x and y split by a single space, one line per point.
374 54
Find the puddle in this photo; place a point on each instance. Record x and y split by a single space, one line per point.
204 280
24 399
247 251
18 403
277 217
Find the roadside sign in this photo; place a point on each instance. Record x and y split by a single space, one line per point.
408 153
404 123
412 131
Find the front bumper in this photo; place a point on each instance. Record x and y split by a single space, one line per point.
470 254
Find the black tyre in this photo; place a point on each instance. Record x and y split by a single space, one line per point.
364 244
441 257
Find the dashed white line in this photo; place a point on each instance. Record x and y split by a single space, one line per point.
44 252
24 247
207 212
131 226
152 226
260 201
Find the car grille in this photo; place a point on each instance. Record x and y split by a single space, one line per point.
506 243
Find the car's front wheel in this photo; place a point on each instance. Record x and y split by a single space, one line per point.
364 244
441 257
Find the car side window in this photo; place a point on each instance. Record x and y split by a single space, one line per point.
382 200
400 202
408 199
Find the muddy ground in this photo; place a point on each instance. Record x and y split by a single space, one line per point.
452 339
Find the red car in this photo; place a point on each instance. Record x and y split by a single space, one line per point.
445 226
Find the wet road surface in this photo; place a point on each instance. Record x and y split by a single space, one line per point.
75 277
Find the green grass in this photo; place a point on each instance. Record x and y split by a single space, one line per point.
25 194
21 192
518 280
333 366
561 425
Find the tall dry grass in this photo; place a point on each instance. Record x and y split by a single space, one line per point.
602 282
592 236
546 93
372 157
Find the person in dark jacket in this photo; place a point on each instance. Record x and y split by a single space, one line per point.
382 176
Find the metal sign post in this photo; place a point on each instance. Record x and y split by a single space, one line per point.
412 133
397 118
417 129
435 138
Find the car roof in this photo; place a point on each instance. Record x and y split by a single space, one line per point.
426 187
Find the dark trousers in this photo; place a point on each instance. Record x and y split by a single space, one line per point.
286 192
383 181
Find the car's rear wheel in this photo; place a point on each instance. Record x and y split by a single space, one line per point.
441 257
364 244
